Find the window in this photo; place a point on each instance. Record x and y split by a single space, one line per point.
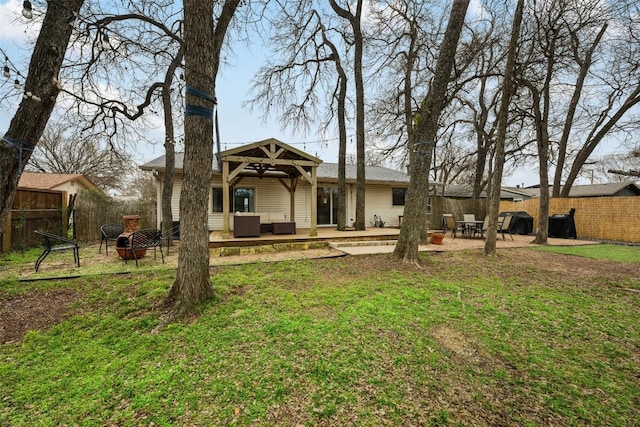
242 200
216 197
398 195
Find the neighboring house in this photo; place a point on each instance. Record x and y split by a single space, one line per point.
612 189
464 192
271 176
69 183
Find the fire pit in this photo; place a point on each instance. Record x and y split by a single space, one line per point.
123 245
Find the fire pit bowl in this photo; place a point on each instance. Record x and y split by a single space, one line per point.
123 245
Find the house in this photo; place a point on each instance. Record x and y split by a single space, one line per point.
272 177
611 189
452 191
71 183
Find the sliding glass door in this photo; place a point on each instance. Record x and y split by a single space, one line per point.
327 206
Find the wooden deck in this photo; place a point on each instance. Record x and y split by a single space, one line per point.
325 234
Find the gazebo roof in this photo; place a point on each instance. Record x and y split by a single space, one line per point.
269 157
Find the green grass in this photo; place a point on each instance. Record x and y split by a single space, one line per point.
609 252
349 341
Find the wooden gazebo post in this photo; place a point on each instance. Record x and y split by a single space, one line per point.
314 201
226 230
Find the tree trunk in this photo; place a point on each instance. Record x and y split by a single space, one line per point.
32 116
503 120
202 58
342 152
358 41
423 140
169 147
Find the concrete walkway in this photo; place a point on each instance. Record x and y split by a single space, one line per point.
450 244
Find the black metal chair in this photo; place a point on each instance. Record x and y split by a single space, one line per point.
53 242
144 239
174 234
109 232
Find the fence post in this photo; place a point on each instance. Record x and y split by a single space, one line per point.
5 244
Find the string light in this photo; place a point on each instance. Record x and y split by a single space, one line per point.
16 84
26 9
7 73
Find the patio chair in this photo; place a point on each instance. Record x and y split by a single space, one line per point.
174 234
109 232
504 226
144 239
449 223
485 226
53 242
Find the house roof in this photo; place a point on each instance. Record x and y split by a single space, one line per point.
269 157
463 192
590 190
326 171
51 181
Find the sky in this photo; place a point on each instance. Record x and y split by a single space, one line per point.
237 123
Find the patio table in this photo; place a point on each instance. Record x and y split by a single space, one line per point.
471 227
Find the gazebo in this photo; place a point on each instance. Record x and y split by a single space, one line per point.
269 158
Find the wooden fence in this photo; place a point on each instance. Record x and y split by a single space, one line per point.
599 218
34 210
94 209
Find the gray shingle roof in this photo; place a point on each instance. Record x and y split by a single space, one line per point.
590 190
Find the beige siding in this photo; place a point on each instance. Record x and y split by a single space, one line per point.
271 196
378 201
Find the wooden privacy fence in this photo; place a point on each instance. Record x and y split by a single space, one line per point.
599 218
34 210
94 209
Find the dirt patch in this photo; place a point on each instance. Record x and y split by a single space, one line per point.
33 311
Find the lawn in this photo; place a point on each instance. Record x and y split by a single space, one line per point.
528 338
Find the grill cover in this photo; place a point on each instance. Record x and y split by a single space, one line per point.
521 222
563 225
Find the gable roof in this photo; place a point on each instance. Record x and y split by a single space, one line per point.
51 181
628 188
269 157
255 149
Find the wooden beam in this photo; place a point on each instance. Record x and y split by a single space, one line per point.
237 170
314 203
305 174
292 197
225 200
266 161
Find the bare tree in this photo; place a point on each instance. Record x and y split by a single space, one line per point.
61 150
606 42
308 62
32 115
423 139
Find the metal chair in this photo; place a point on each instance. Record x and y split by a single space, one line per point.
109 232
174 234
144 239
